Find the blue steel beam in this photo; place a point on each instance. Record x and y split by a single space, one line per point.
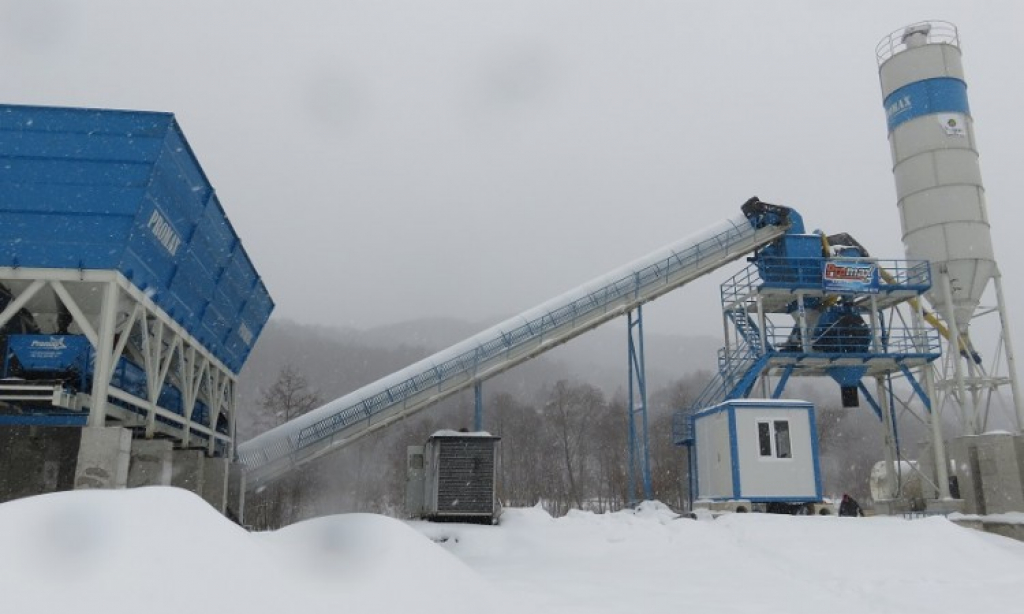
916 386
639 442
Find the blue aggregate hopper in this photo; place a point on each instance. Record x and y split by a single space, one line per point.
122 190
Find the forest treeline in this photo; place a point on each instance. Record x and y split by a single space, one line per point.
564 442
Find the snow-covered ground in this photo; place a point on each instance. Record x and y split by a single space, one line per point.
158 550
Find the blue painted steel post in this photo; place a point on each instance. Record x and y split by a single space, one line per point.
691 474
639 443
478 414
631 427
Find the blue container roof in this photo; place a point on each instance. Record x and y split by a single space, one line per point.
122 190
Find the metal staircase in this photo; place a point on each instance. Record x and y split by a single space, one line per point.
510 343
847 336
738 367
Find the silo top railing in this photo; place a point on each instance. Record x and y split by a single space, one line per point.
936 31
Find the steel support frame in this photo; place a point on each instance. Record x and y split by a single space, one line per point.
478 406
165 351
972 393
639 440
881 399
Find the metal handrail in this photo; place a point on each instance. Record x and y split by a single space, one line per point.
936 31
470 361
805 274
845 340
513 341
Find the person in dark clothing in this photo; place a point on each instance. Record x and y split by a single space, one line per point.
849 507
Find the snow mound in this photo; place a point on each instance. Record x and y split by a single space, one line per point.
655 560
149 549
164 550
375 563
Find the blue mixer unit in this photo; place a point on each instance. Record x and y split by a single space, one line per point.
69 359
48 352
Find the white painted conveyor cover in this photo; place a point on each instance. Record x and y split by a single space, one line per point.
500 347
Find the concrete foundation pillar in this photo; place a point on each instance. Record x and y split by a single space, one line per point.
236 493
36 460
188 470
104 455
926 465
964 453
151 463
215 483
999 464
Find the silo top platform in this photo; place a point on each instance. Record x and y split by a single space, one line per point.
122 190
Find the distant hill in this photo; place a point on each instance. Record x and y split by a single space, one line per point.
337 361
597 357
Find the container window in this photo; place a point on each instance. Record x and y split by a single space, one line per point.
764 438
782 445
773 439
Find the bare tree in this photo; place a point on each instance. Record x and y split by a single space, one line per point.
525 451
573 409
610 455
288 397
669 464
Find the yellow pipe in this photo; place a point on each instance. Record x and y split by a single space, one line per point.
831 300
929 317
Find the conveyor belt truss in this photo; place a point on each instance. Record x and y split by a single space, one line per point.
509 343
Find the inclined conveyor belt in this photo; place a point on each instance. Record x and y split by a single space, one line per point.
505 345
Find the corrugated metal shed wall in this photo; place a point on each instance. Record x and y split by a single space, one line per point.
102 189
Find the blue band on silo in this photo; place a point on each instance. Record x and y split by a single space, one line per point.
941 95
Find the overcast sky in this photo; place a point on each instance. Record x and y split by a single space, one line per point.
384 161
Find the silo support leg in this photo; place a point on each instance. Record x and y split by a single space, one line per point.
891 453
1011 361
967 408
938 439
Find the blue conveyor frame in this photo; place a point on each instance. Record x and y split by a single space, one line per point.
501 347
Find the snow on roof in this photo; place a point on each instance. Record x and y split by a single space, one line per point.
1007 518
765 402
451 433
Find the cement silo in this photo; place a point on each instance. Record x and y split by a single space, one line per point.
943 215
935 162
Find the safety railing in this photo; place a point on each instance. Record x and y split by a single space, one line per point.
735 368
682 427
747 328
733 364
930 32
807 274
467 363
859 339
850 337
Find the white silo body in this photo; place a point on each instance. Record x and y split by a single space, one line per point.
945 221
935 162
